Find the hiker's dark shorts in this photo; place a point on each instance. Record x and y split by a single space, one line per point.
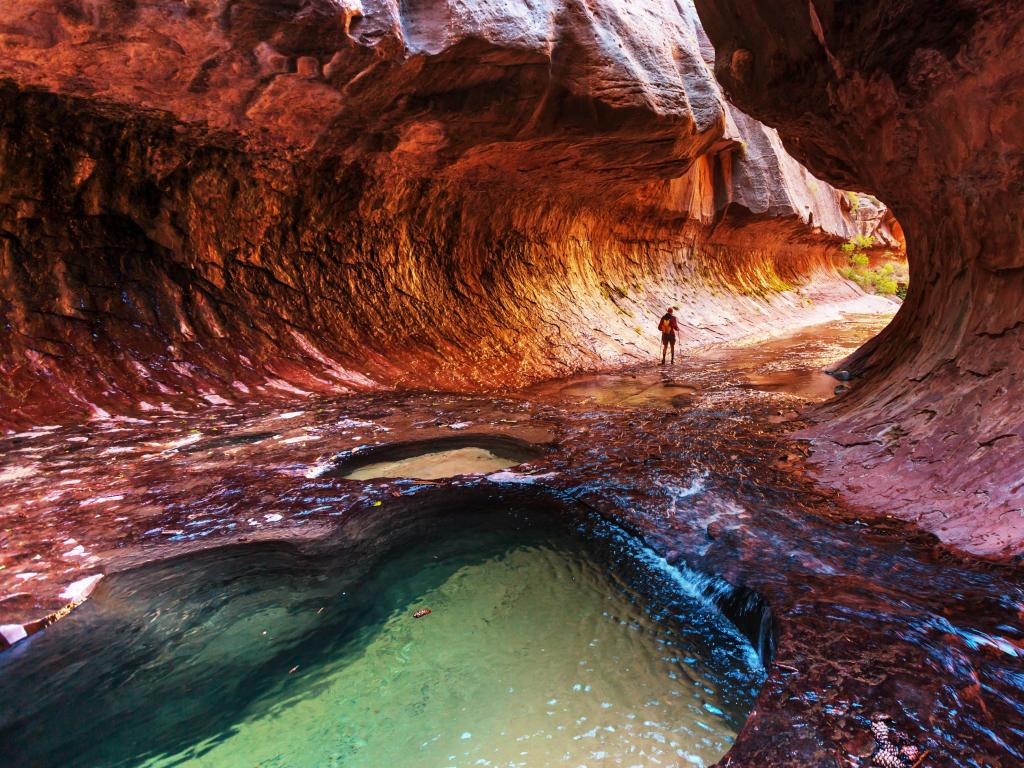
668 338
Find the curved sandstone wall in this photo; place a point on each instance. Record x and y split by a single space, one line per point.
922 103
209 201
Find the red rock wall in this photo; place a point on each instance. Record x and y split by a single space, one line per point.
215 201
144 265
921 103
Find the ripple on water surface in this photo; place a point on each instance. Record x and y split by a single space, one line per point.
540 650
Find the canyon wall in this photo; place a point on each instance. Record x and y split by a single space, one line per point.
208 201
921 103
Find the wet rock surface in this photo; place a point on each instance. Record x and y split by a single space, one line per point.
917 102
229 205
867 613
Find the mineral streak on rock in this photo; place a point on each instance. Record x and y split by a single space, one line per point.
206 201
920 102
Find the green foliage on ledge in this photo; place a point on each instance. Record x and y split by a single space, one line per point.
888 279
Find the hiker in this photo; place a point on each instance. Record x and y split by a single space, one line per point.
668 327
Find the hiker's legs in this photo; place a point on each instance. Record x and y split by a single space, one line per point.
673 345
664 351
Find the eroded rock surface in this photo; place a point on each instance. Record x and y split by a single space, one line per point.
240 201
921 103
867 614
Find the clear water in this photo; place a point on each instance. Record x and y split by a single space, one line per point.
540 650
437 464
644 391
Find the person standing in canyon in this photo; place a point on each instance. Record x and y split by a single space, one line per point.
668 325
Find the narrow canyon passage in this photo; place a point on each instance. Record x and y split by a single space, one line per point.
332 425
849 612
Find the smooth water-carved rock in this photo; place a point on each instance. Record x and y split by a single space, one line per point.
919 102
202 203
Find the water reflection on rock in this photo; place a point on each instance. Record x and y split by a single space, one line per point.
872 614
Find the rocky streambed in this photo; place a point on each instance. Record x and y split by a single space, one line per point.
851 614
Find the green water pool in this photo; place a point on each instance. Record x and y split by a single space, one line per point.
543 647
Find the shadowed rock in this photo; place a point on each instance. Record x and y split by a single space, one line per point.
918 102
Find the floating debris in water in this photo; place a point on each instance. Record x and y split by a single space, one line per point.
421 613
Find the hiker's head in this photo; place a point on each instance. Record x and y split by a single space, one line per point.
671 310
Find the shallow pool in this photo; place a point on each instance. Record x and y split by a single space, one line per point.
545 645
436 458
436 465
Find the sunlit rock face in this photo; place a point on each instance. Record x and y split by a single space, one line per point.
205 201
921 103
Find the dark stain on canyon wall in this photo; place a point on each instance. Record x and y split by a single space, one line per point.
255 199
921 103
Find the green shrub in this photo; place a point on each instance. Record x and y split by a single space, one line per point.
883 280
886 286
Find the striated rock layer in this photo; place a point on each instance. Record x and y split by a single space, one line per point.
922 103
261 199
